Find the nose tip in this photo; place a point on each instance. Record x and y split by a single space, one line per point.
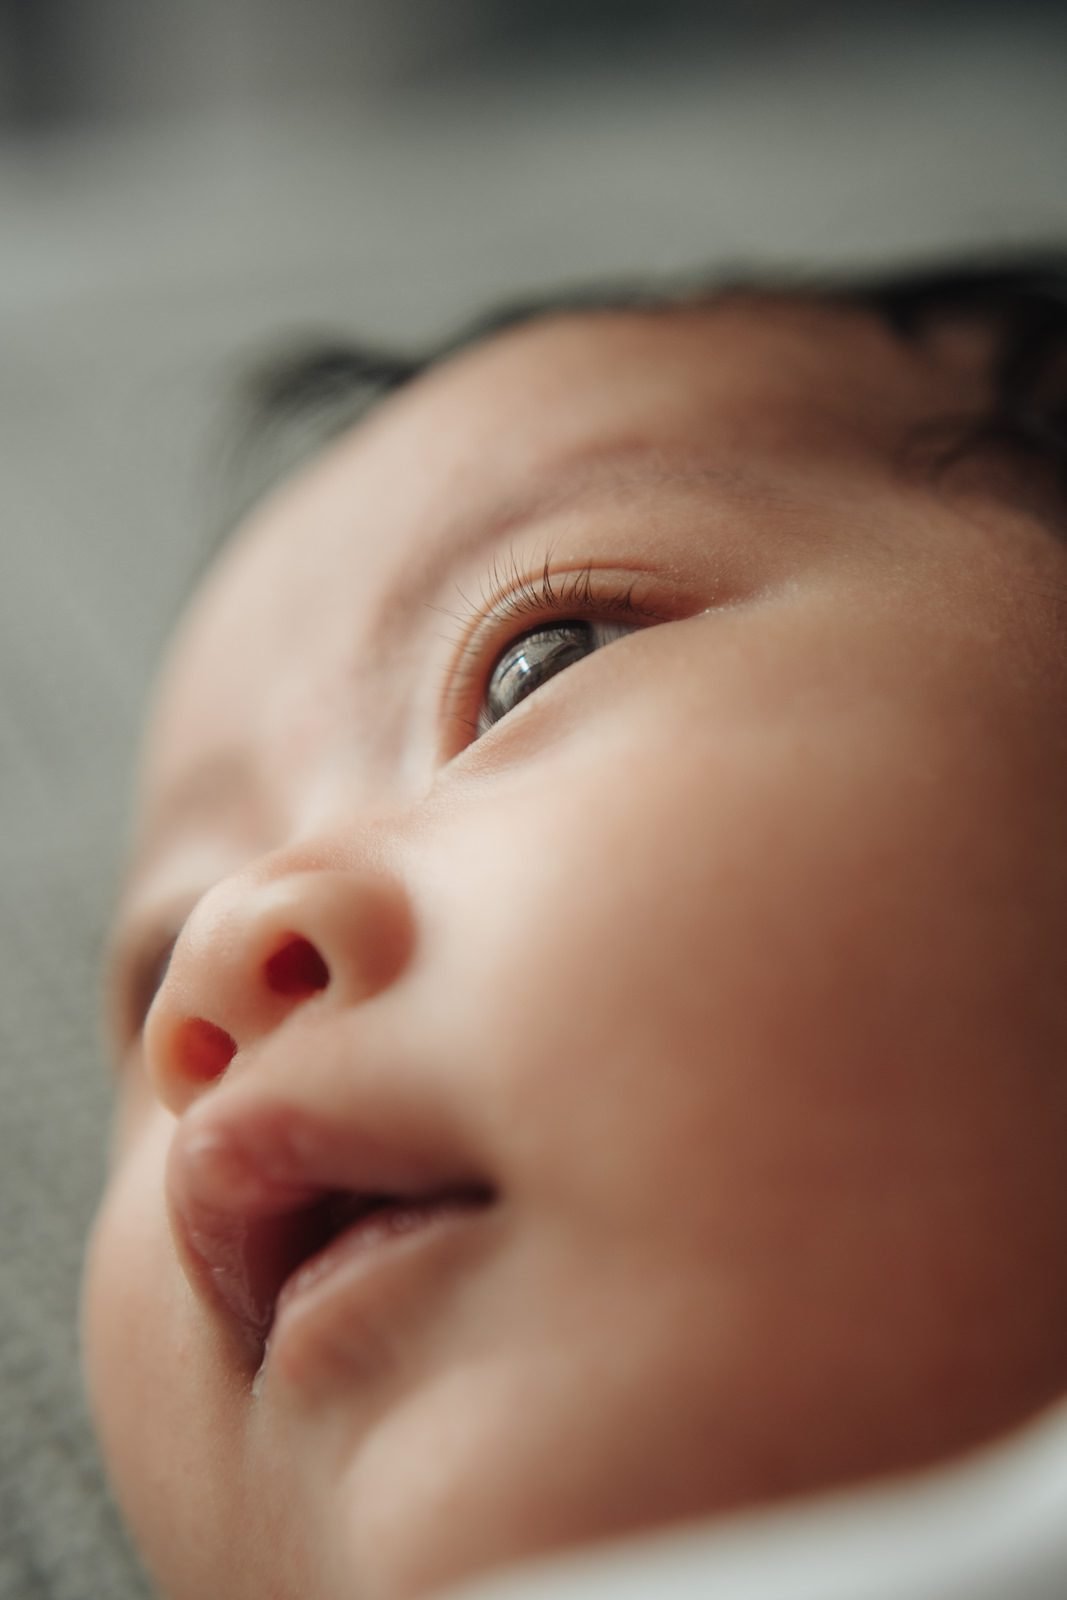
251 955
203 1050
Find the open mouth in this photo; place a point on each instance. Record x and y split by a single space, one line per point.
345 1225
254 1231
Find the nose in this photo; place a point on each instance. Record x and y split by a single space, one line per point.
257 948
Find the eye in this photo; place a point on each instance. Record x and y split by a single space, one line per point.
535 657
539 626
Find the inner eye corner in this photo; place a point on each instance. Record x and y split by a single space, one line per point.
295 969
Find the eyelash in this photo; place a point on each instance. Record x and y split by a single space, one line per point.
577 596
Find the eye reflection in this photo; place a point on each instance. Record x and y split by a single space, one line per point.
537 656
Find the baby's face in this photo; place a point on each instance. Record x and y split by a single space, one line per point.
689 979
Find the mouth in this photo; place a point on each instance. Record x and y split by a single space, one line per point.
259 1219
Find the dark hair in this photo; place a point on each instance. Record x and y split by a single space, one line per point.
297 400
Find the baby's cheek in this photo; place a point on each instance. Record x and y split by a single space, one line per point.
127 1286
145 1380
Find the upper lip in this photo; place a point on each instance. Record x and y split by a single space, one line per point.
257 1187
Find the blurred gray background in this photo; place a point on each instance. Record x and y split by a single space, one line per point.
182 185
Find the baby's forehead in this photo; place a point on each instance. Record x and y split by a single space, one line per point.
523 363
727 375
979 338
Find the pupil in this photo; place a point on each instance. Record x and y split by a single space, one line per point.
537 656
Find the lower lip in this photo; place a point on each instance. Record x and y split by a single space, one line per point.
322 1309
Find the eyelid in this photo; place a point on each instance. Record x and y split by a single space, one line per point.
517 604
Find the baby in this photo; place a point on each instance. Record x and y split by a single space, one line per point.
589 992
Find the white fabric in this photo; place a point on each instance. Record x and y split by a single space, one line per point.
993 1527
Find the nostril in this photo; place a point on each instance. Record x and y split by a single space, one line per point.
297 969
205 1051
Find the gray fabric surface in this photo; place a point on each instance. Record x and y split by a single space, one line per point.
137 270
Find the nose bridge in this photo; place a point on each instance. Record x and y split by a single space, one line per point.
292 930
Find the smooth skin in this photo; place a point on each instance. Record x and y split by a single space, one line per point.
732 957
